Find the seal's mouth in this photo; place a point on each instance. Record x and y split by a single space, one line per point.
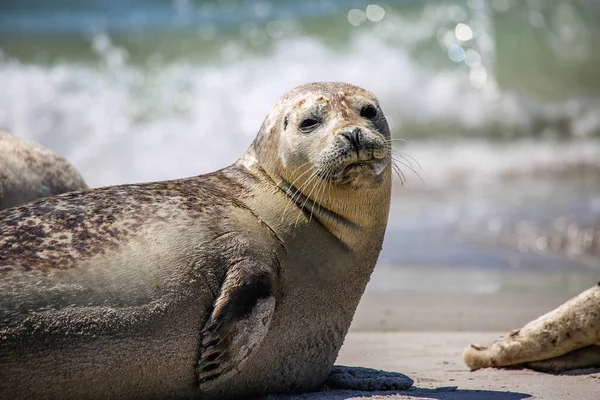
366 168
359 166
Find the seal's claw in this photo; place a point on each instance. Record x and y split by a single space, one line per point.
209 373
211 354
357 378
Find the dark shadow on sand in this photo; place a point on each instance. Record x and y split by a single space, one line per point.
443 393
464 394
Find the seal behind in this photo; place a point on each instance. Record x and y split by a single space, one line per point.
563 339
29 171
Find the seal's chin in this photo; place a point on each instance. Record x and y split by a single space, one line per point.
360 169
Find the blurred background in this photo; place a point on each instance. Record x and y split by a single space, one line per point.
498 101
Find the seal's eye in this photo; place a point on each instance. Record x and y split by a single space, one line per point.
368 112
308 125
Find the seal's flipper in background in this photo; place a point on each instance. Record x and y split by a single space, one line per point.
239 321
587 357
573 325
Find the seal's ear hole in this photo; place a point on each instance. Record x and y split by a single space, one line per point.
368 112
285 123
309 124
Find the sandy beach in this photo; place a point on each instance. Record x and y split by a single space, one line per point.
423 335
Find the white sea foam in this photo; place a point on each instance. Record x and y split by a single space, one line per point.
119 122
480 163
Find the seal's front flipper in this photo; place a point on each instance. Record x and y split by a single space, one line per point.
357 378
238 323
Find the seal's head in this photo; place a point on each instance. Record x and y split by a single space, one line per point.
327 145
334 132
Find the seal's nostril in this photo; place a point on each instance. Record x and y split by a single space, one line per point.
356 134
348 135
354 139
352 136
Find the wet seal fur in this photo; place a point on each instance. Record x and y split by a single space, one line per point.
233 284
29 172
564 339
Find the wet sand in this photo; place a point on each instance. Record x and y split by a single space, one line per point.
422 335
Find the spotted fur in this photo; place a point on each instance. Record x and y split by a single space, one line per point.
61 231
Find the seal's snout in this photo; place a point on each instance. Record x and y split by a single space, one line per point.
355 152
366 146
353 137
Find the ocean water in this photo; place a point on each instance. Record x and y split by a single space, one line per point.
496 105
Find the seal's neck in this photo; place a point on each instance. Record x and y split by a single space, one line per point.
349 214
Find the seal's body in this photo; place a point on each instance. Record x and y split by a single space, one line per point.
237 283
29 171
566 338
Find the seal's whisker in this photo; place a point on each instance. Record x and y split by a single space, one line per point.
314 186
400 174
316 190
412 158
301 175
397 164
299 191
410 168
396 140
399 161
304 186
397 170
407 157
324 183
398 154
320 184
297 168
397 157
291 186
329 184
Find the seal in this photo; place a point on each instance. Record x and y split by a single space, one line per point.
564 339
29 171
233 284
